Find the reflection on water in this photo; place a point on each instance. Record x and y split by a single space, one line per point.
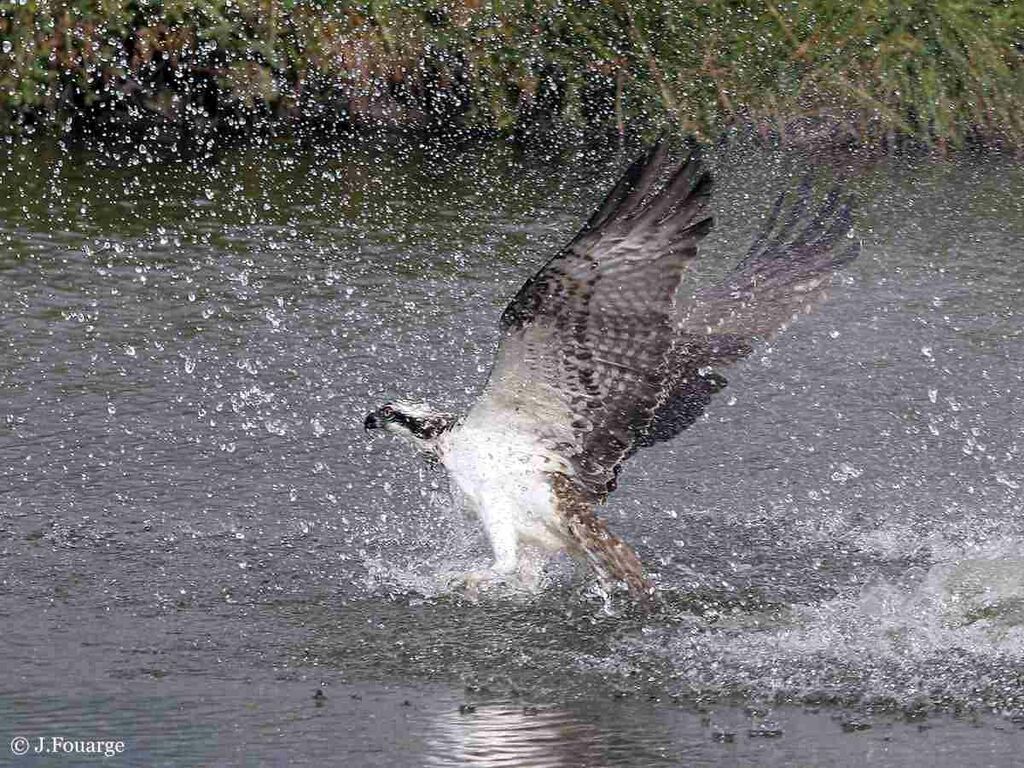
500 735
626 734
190 512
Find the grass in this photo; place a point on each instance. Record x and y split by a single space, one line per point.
940 73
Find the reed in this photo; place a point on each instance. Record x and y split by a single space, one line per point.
938 73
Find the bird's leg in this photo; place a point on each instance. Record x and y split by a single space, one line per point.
612 559
530 569
504 543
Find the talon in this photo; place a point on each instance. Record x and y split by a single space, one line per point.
471 582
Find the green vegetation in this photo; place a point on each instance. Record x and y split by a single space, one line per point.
935 72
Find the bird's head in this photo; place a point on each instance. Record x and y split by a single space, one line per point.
416 423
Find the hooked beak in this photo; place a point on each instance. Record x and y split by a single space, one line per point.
371 422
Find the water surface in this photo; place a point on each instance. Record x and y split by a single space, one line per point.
196 535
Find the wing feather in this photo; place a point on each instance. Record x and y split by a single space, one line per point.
582 364
785 272
597 360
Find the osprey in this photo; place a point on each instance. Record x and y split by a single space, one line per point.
599 358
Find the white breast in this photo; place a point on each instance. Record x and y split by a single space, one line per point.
503 473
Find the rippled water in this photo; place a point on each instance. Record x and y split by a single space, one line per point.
196 535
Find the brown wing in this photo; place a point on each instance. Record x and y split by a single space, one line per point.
597 361
588 343
785 272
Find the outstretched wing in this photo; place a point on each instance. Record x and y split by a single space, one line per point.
583 360
597 360
785 273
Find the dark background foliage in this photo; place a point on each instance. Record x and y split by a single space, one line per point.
936 73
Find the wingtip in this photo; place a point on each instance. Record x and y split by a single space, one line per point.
702 227
705 183
659 153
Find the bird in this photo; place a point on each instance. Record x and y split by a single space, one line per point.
602 354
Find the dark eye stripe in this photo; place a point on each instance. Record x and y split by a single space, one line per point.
425 429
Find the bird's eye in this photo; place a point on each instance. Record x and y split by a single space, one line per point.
387 411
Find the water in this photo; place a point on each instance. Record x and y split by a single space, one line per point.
196 535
